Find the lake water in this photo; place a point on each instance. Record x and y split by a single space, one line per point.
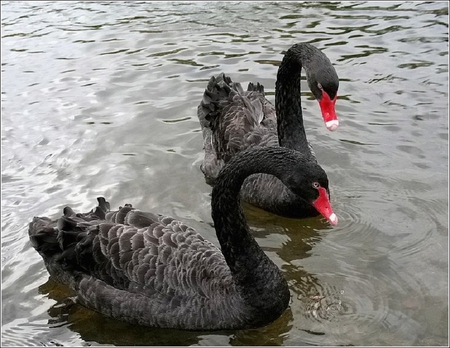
100 98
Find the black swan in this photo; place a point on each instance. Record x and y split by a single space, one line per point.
152 270
233 119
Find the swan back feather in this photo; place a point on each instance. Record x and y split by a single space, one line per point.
233 120
159 271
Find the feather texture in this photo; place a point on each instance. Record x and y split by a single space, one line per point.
153 270
139 267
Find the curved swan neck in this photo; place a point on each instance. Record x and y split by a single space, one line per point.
250 266
231 227
291 132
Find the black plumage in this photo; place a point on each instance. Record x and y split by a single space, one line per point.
153 270
233 120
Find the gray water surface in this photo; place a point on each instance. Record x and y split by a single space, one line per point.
100 98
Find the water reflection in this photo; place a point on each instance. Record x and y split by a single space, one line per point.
99 98
93 327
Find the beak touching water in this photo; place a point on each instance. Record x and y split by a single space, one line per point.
323 206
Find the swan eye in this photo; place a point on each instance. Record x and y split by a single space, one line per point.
316 185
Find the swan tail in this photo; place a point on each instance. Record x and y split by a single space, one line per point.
43 235
56 246
231 120
256 88
57 240
216 93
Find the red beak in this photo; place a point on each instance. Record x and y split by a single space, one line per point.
323 206
328 111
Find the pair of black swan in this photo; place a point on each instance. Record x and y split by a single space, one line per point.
149 269
233 120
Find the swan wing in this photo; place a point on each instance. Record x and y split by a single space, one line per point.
232 120
124 261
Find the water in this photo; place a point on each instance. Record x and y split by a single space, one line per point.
99 98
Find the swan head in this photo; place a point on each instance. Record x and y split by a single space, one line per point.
323 206
310 182
324 84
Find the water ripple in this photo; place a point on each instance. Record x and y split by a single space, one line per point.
100 99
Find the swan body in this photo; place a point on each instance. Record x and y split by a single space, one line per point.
153 270
233 120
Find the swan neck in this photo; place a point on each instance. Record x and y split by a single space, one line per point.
291 132
231 226
254 273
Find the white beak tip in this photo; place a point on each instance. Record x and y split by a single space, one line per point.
333 219
332 125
